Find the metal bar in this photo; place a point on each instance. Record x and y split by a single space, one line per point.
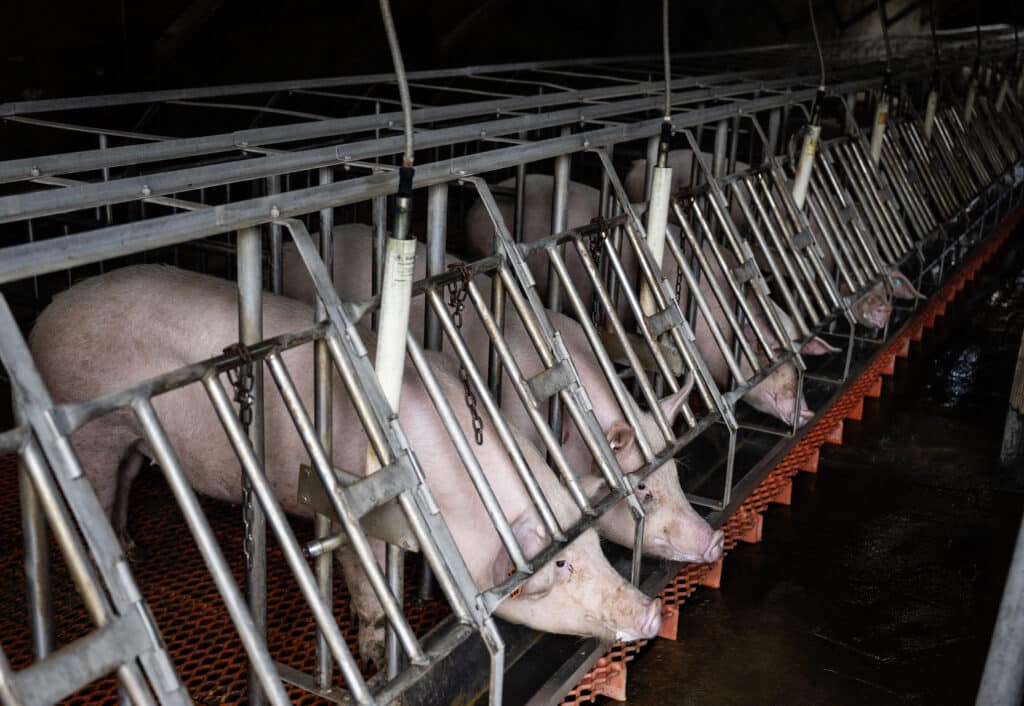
502 428
37 567
31 259
290 547
468 458
324 422
253 640
250 330
162 149
1002 682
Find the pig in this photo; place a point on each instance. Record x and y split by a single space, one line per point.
163 318
775 395
682 164
582 207
673 529
872 309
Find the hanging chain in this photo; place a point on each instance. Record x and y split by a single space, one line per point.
679 283
243 380
594 243
457 293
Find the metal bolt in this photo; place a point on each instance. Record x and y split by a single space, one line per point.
275 212
35 171
304 498
146 191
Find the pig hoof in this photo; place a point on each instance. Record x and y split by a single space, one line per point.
133 551
371 644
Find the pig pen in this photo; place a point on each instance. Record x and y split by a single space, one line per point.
939 203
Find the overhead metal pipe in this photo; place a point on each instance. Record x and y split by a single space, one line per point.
802 177
661 179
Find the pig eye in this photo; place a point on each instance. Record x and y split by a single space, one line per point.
641 486
560 563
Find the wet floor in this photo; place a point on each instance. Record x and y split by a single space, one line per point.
880 584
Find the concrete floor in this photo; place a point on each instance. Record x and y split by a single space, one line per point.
880 584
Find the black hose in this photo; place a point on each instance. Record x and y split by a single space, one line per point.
885 36
817 43
819 97
668 67
403 83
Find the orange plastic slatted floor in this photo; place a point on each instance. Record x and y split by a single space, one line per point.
203 643
184 600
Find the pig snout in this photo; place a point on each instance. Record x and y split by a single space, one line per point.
876 316
715 547
689 538
648 623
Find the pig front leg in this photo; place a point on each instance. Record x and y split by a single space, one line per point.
367 609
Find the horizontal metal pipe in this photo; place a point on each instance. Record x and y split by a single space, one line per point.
40 203
158 149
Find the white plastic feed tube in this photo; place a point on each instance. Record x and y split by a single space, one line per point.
806 164
657 220
878 129
400 258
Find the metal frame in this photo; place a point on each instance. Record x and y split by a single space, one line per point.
192 187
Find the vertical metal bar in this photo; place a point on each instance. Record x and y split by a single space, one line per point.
37 567
323 419
520 207
250 330
774 128
131 683
380 234
721 144
108 209
274 188
1002 683
437 227
559 215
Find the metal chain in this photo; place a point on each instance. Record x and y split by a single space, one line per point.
457 293
243 380
679 283
594 246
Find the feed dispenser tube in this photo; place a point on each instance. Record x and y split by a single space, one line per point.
657 212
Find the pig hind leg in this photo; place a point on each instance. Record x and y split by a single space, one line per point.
368 611
111 460
127 471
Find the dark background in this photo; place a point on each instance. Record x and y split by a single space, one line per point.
69 47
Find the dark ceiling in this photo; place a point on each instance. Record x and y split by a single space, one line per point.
71 47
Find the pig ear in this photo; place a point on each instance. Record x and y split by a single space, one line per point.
592 485
672 405
620 436
901 286
532 538
818 346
